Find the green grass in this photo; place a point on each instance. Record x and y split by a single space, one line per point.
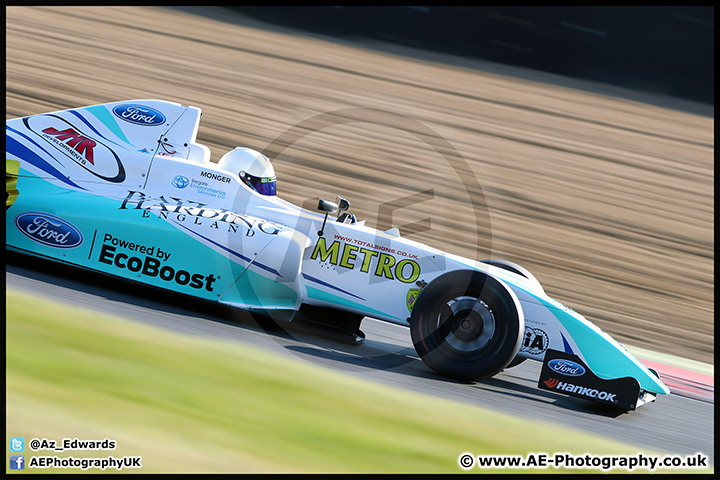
189 404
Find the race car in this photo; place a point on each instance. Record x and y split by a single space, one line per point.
125 189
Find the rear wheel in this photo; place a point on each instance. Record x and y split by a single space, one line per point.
467 325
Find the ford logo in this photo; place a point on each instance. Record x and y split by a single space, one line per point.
180 182
139 115
48 230
566 367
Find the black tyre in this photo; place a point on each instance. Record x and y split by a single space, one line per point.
520 270
515 362
467 325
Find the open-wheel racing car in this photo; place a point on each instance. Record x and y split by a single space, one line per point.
124 189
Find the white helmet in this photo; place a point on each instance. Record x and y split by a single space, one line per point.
252 167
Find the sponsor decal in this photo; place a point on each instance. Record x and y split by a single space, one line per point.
150 262
375 246
566 367
535 341
215 176
412 295
197 213
551 382
367 260
83 145
139 115
85 150
48 230
620 392
570 388
180 181
202 188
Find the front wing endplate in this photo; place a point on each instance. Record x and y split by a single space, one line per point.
567 374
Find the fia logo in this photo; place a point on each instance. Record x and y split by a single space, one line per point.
535 341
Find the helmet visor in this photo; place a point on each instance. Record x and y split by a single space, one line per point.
262 185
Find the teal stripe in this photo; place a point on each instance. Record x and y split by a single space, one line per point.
605 356
321 295
102 114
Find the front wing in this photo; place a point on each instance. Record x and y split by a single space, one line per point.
568 374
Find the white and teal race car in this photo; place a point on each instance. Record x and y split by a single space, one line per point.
124 189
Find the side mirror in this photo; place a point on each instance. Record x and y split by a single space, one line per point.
342 204
327 206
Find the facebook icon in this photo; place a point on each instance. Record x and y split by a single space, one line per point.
17 462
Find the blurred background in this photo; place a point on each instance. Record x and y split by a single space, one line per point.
667 50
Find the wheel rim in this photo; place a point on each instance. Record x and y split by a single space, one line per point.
466 323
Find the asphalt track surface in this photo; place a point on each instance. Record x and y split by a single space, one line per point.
673 424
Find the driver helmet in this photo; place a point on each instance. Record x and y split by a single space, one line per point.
252 167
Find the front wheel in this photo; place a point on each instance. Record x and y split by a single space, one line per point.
467 325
